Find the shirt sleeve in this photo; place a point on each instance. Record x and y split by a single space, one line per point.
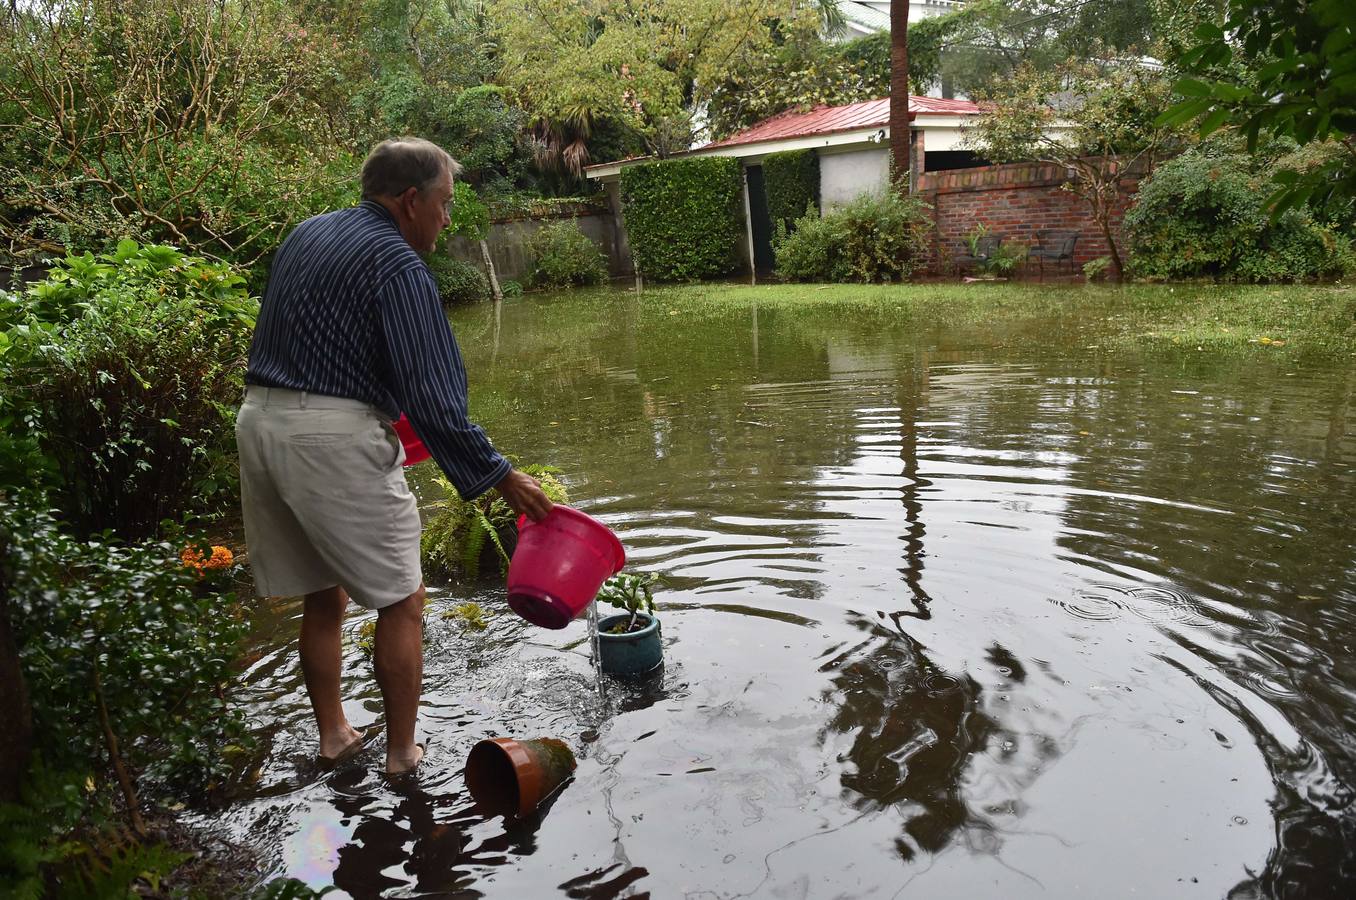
428 380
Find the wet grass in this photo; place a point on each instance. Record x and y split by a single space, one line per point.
1231 318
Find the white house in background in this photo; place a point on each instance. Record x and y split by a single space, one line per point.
851 141
865 17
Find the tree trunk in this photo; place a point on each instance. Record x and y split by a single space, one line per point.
495 290
899 95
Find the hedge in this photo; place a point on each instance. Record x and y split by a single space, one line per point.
792 183
684 217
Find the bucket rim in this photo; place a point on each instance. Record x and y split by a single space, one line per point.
619 552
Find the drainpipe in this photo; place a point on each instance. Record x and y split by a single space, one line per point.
748 227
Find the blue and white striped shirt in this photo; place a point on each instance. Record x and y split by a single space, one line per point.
352 311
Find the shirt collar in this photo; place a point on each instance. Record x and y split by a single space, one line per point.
374 206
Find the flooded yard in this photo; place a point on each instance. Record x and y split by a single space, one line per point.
949 610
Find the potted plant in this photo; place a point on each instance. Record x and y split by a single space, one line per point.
629 642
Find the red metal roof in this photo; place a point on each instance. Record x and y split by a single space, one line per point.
828 120
832 119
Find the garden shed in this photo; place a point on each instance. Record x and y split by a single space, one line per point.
850 148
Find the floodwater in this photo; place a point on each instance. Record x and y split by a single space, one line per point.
972 612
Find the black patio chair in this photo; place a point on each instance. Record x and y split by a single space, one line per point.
985 248
1056 246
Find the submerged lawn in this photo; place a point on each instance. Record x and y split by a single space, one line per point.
1274 318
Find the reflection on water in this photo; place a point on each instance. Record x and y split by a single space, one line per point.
977 612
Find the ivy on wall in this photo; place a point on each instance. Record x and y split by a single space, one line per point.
791 180
684 217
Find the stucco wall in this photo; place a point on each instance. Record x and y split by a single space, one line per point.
845 176
509 242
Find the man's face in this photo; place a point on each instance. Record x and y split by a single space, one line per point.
427 214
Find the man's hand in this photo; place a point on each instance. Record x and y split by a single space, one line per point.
523 492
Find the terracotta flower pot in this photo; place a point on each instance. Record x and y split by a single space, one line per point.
513 777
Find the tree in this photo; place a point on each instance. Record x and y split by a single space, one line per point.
1285 71
802 70
900 132
192 123
1103 129
651 65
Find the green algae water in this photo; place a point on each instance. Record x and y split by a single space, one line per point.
977 607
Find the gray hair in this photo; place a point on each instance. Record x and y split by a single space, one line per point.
399 164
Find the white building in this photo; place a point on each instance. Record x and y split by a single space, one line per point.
866 17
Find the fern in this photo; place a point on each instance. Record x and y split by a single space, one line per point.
454 541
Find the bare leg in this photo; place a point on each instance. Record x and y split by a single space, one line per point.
322 617
399 661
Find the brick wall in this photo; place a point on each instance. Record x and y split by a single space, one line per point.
1013 201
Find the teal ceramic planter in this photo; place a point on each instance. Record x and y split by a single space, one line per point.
629 654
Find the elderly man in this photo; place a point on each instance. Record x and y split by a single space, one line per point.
351 332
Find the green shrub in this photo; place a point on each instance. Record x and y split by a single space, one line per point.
458 282
684 217
1203 215
791 180
875 238
511 289
563 256
126 651
126 369
462 532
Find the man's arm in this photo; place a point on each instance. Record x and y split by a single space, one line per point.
429 382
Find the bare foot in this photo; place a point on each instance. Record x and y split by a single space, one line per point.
343 743
404 763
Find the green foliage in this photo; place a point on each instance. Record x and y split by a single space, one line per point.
1004 260
563 256
792 183
511 289
630 592
648 64
1203 215
1279 70
460 532
684 217
875 238
458 281
127 655
468 217
471 615
1096 269
110 133
800 70
126 369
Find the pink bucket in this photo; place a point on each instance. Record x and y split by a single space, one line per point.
559 565
415 451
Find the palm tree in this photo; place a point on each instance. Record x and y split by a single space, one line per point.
899 95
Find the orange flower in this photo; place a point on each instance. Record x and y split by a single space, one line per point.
221 558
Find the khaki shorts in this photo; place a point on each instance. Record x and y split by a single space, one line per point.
325 498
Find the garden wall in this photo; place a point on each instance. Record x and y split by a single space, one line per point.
511 236
1013 201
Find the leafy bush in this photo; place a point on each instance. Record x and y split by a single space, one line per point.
791 180
127 652
876 237
461 532
1203 215
511 289
563 256
1096 269
458 282
684 217
126 370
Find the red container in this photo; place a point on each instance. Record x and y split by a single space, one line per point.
559 565
415 451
